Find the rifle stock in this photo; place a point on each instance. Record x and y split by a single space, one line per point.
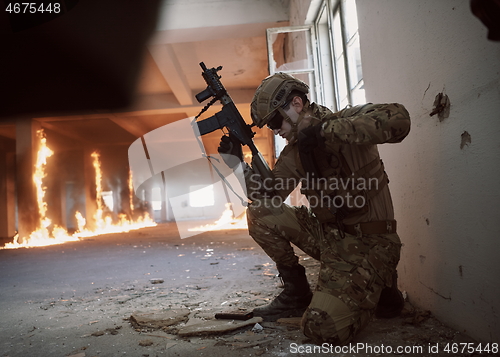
229 117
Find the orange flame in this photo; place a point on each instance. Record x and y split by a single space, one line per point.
131 192
104 225
39 175
226 221
41 236
101 222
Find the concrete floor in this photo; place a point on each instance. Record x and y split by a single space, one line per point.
76 299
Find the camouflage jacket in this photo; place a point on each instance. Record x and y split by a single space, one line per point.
352 135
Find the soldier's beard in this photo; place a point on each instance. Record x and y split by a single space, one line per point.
291 137
303 122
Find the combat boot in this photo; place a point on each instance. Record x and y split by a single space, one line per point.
391 301
293 300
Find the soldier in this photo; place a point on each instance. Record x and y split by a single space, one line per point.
349 225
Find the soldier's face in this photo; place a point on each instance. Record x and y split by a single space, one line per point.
284 131
293 112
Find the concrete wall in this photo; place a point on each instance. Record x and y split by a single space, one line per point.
445 175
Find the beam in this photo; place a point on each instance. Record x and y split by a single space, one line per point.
134 126
69 134
210 33
159 104
170 68
199 14
162 104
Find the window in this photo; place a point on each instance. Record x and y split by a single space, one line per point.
201 196
156 199
338 55
326 55
290 50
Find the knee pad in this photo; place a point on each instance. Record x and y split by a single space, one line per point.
329 320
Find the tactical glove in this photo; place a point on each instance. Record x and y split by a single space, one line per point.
230 150
310 138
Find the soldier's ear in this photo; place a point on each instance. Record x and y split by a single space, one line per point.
297 102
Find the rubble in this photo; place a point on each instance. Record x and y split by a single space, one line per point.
257 328
145 343
157 320
290 321
216 327
156 281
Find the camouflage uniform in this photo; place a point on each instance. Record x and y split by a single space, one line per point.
354 267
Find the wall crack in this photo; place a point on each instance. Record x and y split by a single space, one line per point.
435 292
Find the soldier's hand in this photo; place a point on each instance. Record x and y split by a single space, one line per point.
230 150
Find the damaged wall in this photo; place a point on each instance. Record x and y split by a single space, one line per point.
444 176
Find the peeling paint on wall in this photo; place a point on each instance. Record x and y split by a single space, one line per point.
466 139
441 107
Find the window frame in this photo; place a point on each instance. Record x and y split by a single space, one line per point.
324 77
330 8
279 143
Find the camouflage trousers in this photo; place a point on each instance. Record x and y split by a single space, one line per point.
353 270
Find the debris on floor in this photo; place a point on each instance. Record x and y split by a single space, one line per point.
176 317
145 343
290 321
157 320
216 327
156 281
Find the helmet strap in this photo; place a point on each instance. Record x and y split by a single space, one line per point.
294 125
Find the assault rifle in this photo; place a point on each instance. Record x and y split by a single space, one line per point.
229 117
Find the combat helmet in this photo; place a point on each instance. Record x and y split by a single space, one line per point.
272 95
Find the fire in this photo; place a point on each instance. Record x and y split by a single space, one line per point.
43 236
98 185
226 221
104 224
39 175
131 190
